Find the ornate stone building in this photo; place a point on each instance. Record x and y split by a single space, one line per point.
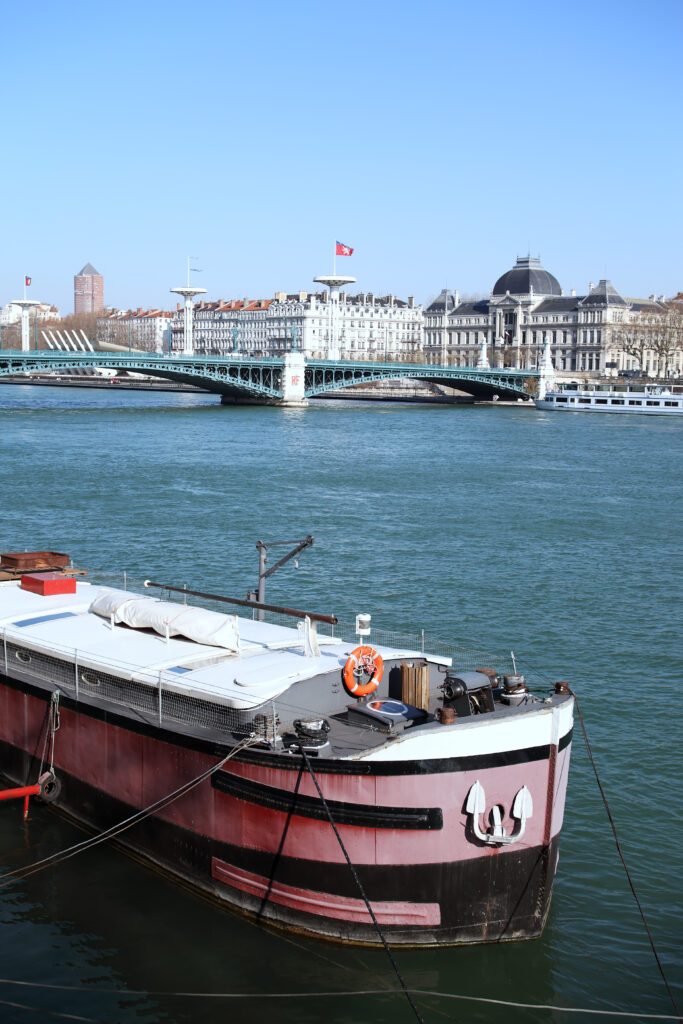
362 326
527 304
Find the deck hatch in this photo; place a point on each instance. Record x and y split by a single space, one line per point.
44 618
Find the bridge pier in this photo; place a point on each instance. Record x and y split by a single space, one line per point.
293 376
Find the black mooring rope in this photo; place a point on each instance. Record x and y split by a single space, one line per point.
361 889
121 826
621 855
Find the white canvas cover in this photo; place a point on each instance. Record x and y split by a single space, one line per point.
167 618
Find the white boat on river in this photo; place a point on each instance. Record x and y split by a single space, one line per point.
651 400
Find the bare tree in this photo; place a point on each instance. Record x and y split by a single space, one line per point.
668 339
11 336
658 331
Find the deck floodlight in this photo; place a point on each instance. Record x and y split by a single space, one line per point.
363 625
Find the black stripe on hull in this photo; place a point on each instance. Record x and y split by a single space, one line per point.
361 815
219 747
490 898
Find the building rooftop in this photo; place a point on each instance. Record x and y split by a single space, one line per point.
88 271
527 276
478 307
443 303
559 304
603 294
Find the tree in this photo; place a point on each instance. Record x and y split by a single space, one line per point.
669 338
11 336
657 331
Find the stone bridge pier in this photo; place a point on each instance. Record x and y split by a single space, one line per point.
293 378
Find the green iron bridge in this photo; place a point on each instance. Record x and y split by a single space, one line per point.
246 379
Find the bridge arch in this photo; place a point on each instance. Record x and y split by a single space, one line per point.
259 379
241 378
323 377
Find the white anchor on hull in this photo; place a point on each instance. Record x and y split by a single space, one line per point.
522 809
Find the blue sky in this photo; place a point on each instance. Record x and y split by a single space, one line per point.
441 140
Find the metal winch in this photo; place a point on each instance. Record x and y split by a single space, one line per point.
468 693
311 734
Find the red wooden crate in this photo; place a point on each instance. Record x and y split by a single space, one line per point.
48 583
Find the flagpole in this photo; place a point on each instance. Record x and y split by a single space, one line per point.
334 260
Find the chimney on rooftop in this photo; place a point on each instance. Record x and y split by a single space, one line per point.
411 302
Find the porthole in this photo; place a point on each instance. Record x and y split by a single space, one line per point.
23 656
89 679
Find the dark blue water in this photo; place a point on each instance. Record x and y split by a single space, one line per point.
558 536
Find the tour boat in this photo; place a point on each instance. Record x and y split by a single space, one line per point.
337 781
652 400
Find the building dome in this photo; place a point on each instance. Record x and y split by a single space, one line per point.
527 276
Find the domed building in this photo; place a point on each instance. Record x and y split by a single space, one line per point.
526 305
527 277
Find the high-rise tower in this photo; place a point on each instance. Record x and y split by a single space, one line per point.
88 290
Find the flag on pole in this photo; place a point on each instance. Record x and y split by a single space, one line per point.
343 250
27 280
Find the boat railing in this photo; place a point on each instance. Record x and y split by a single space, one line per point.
465 656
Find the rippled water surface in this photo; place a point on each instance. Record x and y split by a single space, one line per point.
555 535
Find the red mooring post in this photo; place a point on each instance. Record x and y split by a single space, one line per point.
22 791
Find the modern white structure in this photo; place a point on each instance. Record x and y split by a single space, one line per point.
11 313
25 305
334 282
189 293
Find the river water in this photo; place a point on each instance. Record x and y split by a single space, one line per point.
555 535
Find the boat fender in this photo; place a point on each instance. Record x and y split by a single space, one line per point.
50 787
361 660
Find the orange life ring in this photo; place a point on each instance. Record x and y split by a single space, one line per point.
363 659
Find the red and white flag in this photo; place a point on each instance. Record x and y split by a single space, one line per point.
27 281
343 250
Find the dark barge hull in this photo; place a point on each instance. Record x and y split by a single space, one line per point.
280 862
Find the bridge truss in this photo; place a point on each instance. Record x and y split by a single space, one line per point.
324 375
258 379
240 378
